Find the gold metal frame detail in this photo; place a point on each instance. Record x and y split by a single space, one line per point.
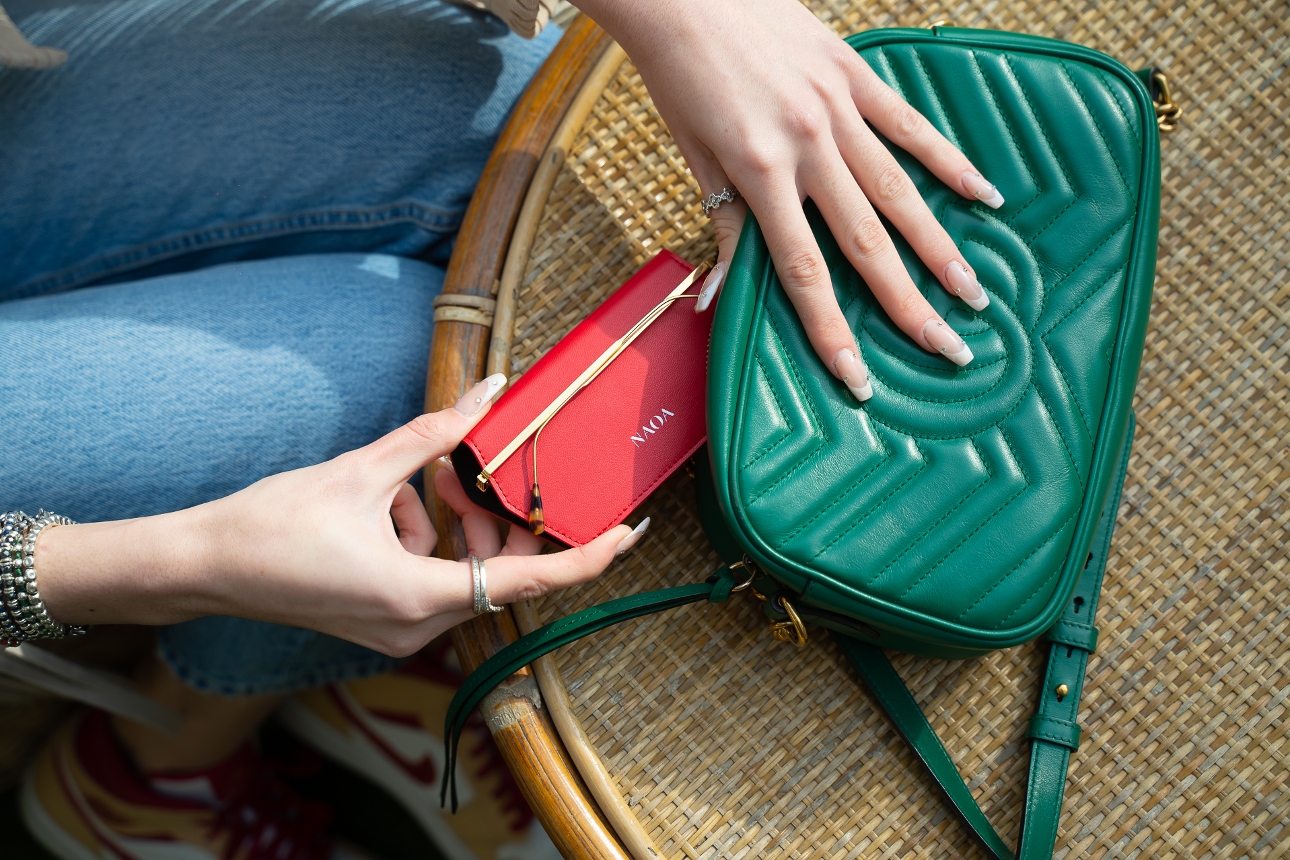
585 378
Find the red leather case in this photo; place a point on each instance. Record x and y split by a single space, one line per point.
619 437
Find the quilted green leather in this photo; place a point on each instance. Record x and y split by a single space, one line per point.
953 511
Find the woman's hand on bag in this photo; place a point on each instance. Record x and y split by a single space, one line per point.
761 97
315 548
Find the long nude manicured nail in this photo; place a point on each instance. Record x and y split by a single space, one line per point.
478 397
946 341
632 539
710 286
964 284
976 185
848 367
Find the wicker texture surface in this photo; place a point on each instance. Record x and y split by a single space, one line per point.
730 744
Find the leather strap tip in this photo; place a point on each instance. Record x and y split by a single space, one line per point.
722 585
1055 730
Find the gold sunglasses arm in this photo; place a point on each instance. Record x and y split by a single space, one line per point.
613 351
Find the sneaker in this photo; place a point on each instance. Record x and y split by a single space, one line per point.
83 799
389 729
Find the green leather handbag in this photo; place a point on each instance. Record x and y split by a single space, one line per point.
960 510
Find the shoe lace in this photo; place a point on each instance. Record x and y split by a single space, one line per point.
267 820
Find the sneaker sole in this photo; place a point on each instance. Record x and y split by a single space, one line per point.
358 757
45 830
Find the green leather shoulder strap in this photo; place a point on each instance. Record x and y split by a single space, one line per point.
1053 731
544 640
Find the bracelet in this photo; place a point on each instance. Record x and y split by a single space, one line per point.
12 528
24 613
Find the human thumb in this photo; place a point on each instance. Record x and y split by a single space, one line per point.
430 436
727 222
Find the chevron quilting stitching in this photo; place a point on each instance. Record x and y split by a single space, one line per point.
1016 144
891 75
1115 231
1110 156
769 446
963 500
1038 546
1039 586
810 404
1070 458
840 497
1115 278
876 504
1001 580
1000 508
936 98
1057 365
1052 152
1124 115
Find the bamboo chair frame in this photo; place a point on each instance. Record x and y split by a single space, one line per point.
473 325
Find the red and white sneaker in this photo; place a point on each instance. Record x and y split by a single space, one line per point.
83 800
388 728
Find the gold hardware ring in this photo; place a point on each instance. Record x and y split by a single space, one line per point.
792 630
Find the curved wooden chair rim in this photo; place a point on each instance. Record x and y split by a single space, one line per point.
485 269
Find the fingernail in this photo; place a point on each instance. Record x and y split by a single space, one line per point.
632 539
976 185
848 367
964 285
946 340
478 397
710 286
445 460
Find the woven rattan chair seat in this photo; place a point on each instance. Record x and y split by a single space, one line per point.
726 743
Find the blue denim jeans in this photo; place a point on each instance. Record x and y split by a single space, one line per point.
222 225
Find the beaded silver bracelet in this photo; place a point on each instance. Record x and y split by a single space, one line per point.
24 611
13 527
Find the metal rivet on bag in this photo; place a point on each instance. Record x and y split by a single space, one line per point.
1061 691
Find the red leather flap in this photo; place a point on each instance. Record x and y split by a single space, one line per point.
623 434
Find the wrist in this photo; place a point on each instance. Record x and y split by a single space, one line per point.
150 570
635 23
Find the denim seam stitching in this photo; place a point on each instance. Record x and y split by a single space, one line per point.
336 220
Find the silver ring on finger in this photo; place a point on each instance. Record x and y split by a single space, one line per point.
714 201
479 579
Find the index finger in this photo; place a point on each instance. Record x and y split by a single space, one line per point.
805 276
910 130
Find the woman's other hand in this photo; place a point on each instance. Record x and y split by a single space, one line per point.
315 548
762 97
